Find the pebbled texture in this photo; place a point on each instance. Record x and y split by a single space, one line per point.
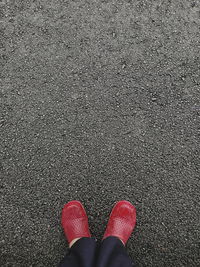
74 221
99 101
122 221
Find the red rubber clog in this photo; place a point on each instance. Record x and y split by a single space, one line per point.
75 221
122 221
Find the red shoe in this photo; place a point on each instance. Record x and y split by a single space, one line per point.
75 221
122 221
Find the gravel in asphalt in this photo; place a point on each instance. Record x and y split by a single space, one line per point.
99 101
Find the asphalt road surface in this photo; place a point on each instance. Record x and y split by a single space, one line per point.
99 102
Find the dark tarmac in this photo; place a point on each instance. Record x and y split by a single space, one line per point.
99 101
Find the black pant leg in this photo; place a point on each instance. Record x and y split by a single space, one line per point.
81 254
112 253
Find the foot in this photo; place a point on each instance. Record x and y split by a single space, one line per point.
75 221
122 221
